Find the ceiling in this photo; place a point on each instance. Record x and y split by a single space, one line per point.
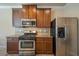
40 4
51 4
19 5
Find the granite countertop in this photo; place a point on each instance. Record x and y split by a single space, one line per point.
45 36
17 35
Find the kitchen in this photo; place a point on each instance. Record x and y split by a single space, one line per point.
32 32
35 30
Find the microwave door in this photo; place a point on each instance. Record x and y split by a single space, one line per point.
26 23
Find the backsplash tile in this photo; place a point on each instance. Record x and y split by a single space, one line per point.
40 31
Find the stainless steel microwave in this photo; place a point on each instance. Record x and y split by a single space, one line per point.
29 22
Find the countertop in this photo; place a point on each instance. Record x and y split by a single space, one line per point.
17 35
45 36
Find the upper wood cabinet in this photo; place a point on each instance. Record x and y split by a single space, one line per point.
43 17
29 11
25 12
16 17
16 13
32 11
47 17
40 18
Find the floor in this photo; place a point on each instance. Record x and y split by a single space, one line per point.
44 55
36 55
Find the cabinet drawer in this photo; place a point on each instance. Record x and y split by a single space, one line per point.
13 52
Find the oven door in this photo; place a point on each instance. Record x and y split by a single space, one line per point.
27 45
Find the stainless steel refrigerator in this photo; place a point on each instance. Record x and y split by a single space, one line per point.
66 36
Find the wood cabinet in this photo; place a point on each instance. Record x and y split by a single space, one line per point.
16 12
32 11
12 45
29 11
43 17
16 17
47 17
25 12
40 18
39 46
44 45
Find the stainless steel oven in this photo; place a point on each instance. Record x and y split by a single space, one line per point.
26 44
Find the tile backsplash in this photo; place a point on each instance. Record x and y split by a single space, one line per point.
43 32
40 31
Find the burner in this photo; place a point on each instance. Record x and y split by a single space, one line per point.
28 36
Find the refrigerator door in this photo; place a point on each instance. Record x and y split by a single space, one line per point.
66 36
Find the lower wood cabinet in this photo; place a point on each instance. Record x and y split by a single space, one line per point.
44 45
12 45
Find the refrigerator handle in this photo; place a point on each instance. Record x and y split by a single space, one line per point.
65 33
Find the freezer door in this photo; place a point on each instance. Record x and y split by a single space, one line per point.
66 36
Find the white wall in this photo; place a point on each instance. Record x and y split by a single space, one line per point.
72 10
5 26
69 10
59 11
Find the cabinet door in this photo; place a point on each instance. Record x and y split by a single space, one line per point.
47 18
39 46
32 11
49 46
40 18
16 17
25 12
43 18
44 45
16 12
12 45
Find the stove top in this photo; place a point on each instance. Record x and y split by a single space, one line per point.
28 36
